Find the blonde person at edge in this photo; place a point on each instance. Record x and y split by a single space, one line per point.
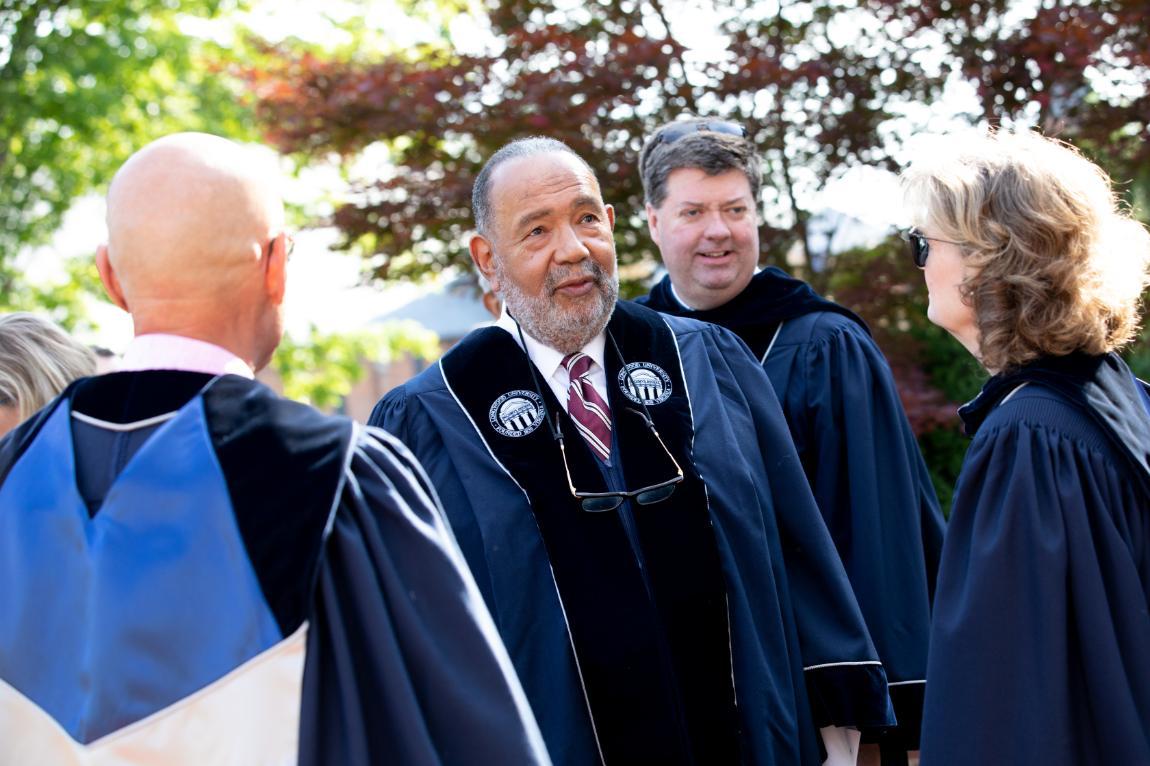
37 360
1038 649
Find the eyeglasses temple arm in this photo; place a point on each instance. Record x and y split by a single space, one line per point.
566 469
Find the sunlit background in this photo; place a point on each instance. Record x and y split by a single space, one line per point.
382 112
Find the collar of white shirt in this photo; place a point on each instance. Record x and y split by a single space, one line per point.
678 298
550 362
160 351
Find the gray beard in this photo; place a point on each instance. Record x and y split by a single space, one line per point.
565 331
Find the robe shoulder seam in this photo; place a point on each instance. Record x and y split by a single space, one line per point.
683 326
1041 409
818 329
430 381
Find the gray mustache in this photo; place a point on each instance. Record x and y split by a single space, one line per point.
587 268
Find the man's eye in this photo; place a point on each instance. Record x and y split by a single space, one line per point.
589 218
535 232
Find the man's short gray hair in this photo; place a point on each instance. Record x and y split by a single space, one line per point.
710 151
520 147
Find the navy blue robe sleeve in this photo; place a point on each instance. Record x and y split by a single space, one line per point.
871 485
404 662
405 417
1041 622
844 677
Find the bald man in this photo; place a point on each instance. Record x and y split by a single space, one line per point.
198 572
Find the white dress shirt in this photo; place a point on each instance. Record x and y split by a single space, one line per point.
549 362
679 299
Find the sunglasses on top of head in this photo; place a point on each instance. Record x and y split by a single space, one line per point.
673 133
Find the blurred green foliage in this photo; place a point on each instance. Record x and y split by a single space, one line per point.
62 299
952 370
83 85
323 367
1138 353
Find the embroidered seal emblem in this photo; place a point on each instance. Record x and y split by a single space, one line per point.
516 413
645 383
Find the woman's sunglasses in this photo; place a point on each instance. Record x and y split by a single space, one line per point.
919 245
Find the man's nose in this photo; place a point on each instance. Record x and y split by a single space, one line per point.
571 248
716 226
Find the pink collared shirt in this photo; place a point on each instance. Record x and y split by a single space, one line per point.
160 351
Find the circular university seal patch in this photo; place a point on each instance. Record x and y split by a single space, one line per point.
645 383
516 413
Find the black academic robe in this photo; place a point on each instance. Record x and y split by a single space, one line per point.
796 640
860 457
1039 648
149 566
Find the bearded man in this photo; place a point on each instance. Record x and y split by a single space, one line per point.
627 496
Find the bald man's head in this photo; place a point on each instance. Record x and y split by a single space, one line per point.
193 220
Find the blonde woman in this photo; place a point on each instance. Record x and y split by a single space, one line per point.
1040 642
37 361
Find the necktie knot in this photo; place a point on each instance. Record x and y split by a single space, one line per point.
577 364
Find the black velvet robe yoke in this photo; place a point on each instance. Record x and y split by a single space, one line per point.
794 624
1042 616
343 532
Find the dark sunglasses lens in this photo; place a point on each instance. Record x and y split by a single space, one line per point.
601 504
657 495
918 248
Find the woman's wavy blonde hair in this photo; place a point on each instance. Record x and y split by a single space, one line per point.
1055 264
37 360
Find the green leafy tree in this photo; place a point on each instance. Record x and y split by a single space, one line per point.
64 299
1076 69
598 76
83 85
321 369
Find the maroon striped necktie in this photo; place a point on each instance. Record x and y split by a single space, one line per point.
590 413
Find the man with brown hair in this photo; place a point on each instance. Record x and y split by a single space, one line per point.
702 180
